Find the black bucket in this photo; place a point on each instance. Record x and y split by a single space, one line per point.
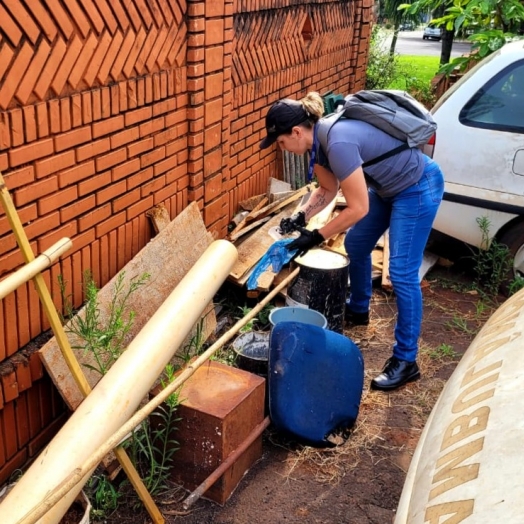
321 285
252 352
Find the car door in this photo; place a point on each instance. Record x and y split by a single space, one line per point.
480 138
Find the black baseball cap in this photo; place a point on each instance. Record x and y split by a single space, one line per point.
281 118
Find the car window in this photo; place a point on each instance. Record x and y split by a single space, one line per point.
499 104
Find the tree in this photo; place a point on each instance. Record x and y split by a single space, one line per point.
390 10
489 24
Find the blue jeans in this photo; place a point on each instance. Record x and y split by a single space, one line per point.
409 216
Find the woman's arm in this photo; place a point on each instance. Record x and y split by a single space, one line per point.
323 195
355 192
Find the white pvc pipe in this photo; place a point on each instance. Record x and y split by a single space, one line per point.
119 393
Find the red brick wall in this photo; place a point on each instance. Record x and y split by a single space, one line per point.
107 111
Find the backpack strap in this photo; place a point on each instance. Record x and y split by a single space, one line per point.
388 154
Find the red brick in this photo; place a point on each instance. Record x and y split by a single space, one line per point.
176 146
214 59
139 207
42 225
213 112
17 127
23 372
152 157
35 191
213 162
124 137
137 148
214 85
153 186
54 164
111 159
93 149
57 200
138 115
176 117
165 106
125 169
139 178
111 224
78 208
113 191
108 126
76 174
176 173
164 194
213 188
214 32
9 385
46 241
4 162
5 137
126 200
165 136
73 138
212 137
20 177
26 215
30 152
84 239
152 126
30 123
215 8
76 110
93 218
165 165
94 183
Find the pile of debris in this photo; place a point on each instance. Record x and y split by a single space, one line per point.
251 230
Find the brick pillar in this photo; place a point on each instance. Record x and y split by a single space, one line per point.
209 88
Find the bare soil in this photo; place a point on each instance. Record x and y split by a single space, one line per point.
360 481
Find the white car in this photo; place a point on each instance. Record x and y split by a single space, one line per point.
479 145
432 31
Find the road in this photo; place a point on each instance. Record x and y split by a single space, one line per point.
411 43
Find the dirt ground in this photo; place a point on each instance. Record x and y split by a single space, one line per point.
360 481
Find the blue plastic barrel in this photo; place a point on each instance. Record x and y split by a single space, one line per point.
316 377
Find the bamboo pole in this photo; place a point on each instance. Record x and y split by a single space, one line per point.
75 477
65 347
30 270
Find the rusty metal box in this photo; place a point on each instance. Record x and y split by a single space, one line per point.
219 407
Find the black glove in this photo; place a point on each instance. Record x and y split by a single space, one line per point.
293 223
305 241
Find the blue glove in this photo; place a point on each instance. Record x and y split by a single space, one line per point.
305 241
277 255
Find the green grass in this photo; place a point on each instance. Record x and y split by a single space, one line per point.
424 68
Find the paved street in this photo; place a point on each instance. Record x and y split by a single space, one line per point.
411 43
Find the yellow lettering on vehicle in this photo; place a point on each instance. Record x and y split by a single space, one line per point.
451 474
470 375
457 511
461 404
465 426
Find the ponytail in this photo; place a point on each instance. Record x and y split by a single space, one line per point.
314 106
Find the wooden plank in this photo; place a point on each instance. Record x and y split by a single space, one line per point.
246 219
250 203
159 216
167 258
235 236
252 249
280 204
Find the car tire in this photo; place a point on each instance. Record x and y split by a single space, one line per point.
513 238
423 38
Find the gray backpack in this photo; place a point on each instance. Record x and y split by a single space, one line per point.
395 112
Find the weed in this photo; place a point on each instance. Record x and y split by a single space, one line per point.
151 445
250 325
492 262
443 351
195 344
103 340
516 285
103 496
460 324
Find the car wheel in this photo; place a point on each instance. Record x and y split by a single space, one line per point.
423 38
514 239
